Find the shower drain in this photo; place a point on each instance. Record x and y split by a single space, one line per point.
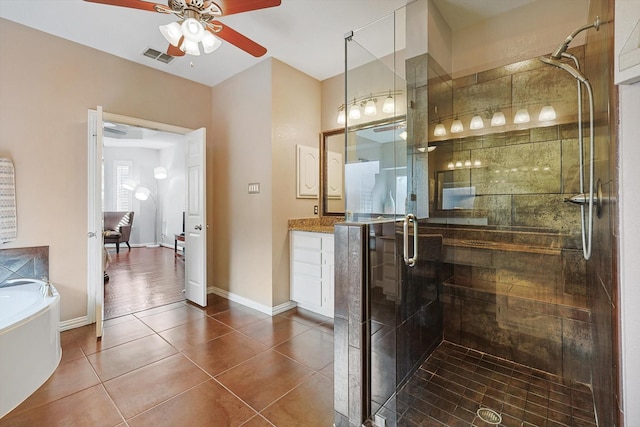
489 416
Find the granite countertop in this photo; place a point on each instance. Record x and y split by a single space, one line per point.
322 224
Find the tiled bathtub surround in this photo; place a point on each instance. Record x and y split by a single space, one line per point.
24 262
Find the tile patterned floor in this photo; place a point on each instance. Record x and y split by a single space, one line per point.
454 382
178 365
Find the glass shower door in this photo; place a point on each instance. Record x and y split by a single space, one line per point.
387 187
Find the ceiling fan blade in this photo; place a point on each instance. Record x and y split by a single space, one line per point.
133 4
236 39
174 51
229 7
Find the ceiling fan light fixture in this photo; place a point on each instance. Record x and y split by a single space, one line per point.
210 42
172 32
192 30
190 47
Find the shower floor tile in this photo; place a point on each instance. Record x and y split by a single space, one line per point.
454 382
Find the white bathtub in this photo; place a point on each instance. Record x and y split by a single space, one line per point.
29 340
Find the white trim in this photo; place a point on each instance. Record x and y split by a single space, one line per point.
74 323
271 311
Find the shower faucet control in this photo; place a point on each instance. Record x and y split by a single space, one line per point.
578 199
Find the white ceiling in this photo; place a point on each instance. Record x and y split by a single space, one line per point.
306 34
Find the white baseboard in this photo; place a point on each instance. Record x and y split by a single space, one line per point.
271 311
74 323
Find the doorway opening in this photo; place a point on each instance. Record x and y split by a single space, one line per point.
143 179
193 217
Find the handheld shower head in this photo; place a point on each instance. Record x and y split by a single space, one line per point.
557 54
568 68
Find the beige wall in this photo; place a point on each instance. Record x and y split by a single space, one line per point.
536 29
259 116
47 84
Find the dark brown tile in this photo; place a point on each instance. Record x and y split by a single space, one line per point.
68 378
126 329
239 317
152 384
217 304
310 404
172 318
265 378
89 407
127 357
222 353
312 348
195 332
208 404
274 330
257 421
305 316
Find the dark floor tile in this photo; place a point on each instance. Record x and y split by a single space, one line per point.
152 384
309 404
239 317
312 348
305 316
217 304
208 404
89 407
127 357
222 353
67 379
127 329
171 318
194 332
265 378
274 330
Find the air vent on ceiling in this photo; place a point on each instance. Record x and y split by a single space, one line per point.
158 56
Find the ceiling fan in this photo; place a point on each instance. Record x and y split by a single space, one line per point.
199 24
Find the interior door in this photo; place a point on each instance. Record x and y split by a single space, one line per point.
195 219
94 220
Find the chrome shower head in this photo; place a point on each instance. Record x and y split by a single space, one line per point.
568 68
557 54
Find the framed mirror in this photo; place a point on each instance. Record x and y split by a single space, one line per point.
332 149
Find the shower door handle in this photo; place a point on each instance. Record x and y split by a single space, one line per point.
410 262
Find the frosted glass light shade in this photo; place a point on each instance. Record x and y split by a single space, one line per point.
160 172
142 193
547 113
456 126
476 123
450 165
210 42
439 130
522 116
458 164
370 108
129 184
172 33
342 117
190 47
403 135
431 148
498 119
388 106
192 30
354 112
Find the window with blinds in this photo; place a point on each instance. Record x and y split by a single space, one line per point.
124 197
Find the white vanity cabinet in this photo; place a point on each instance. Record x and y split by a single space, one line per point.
312 266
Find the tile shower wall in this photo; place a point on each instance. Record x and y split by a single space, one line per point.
515 282
18 263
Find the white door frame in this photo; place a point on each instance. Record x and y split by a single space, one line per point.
94 175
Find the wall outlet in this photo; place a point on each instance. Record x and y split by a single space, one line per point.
315 209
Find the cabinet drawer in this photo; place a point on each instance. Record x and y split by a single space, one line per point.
312 270
311 257
304 240
306 290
